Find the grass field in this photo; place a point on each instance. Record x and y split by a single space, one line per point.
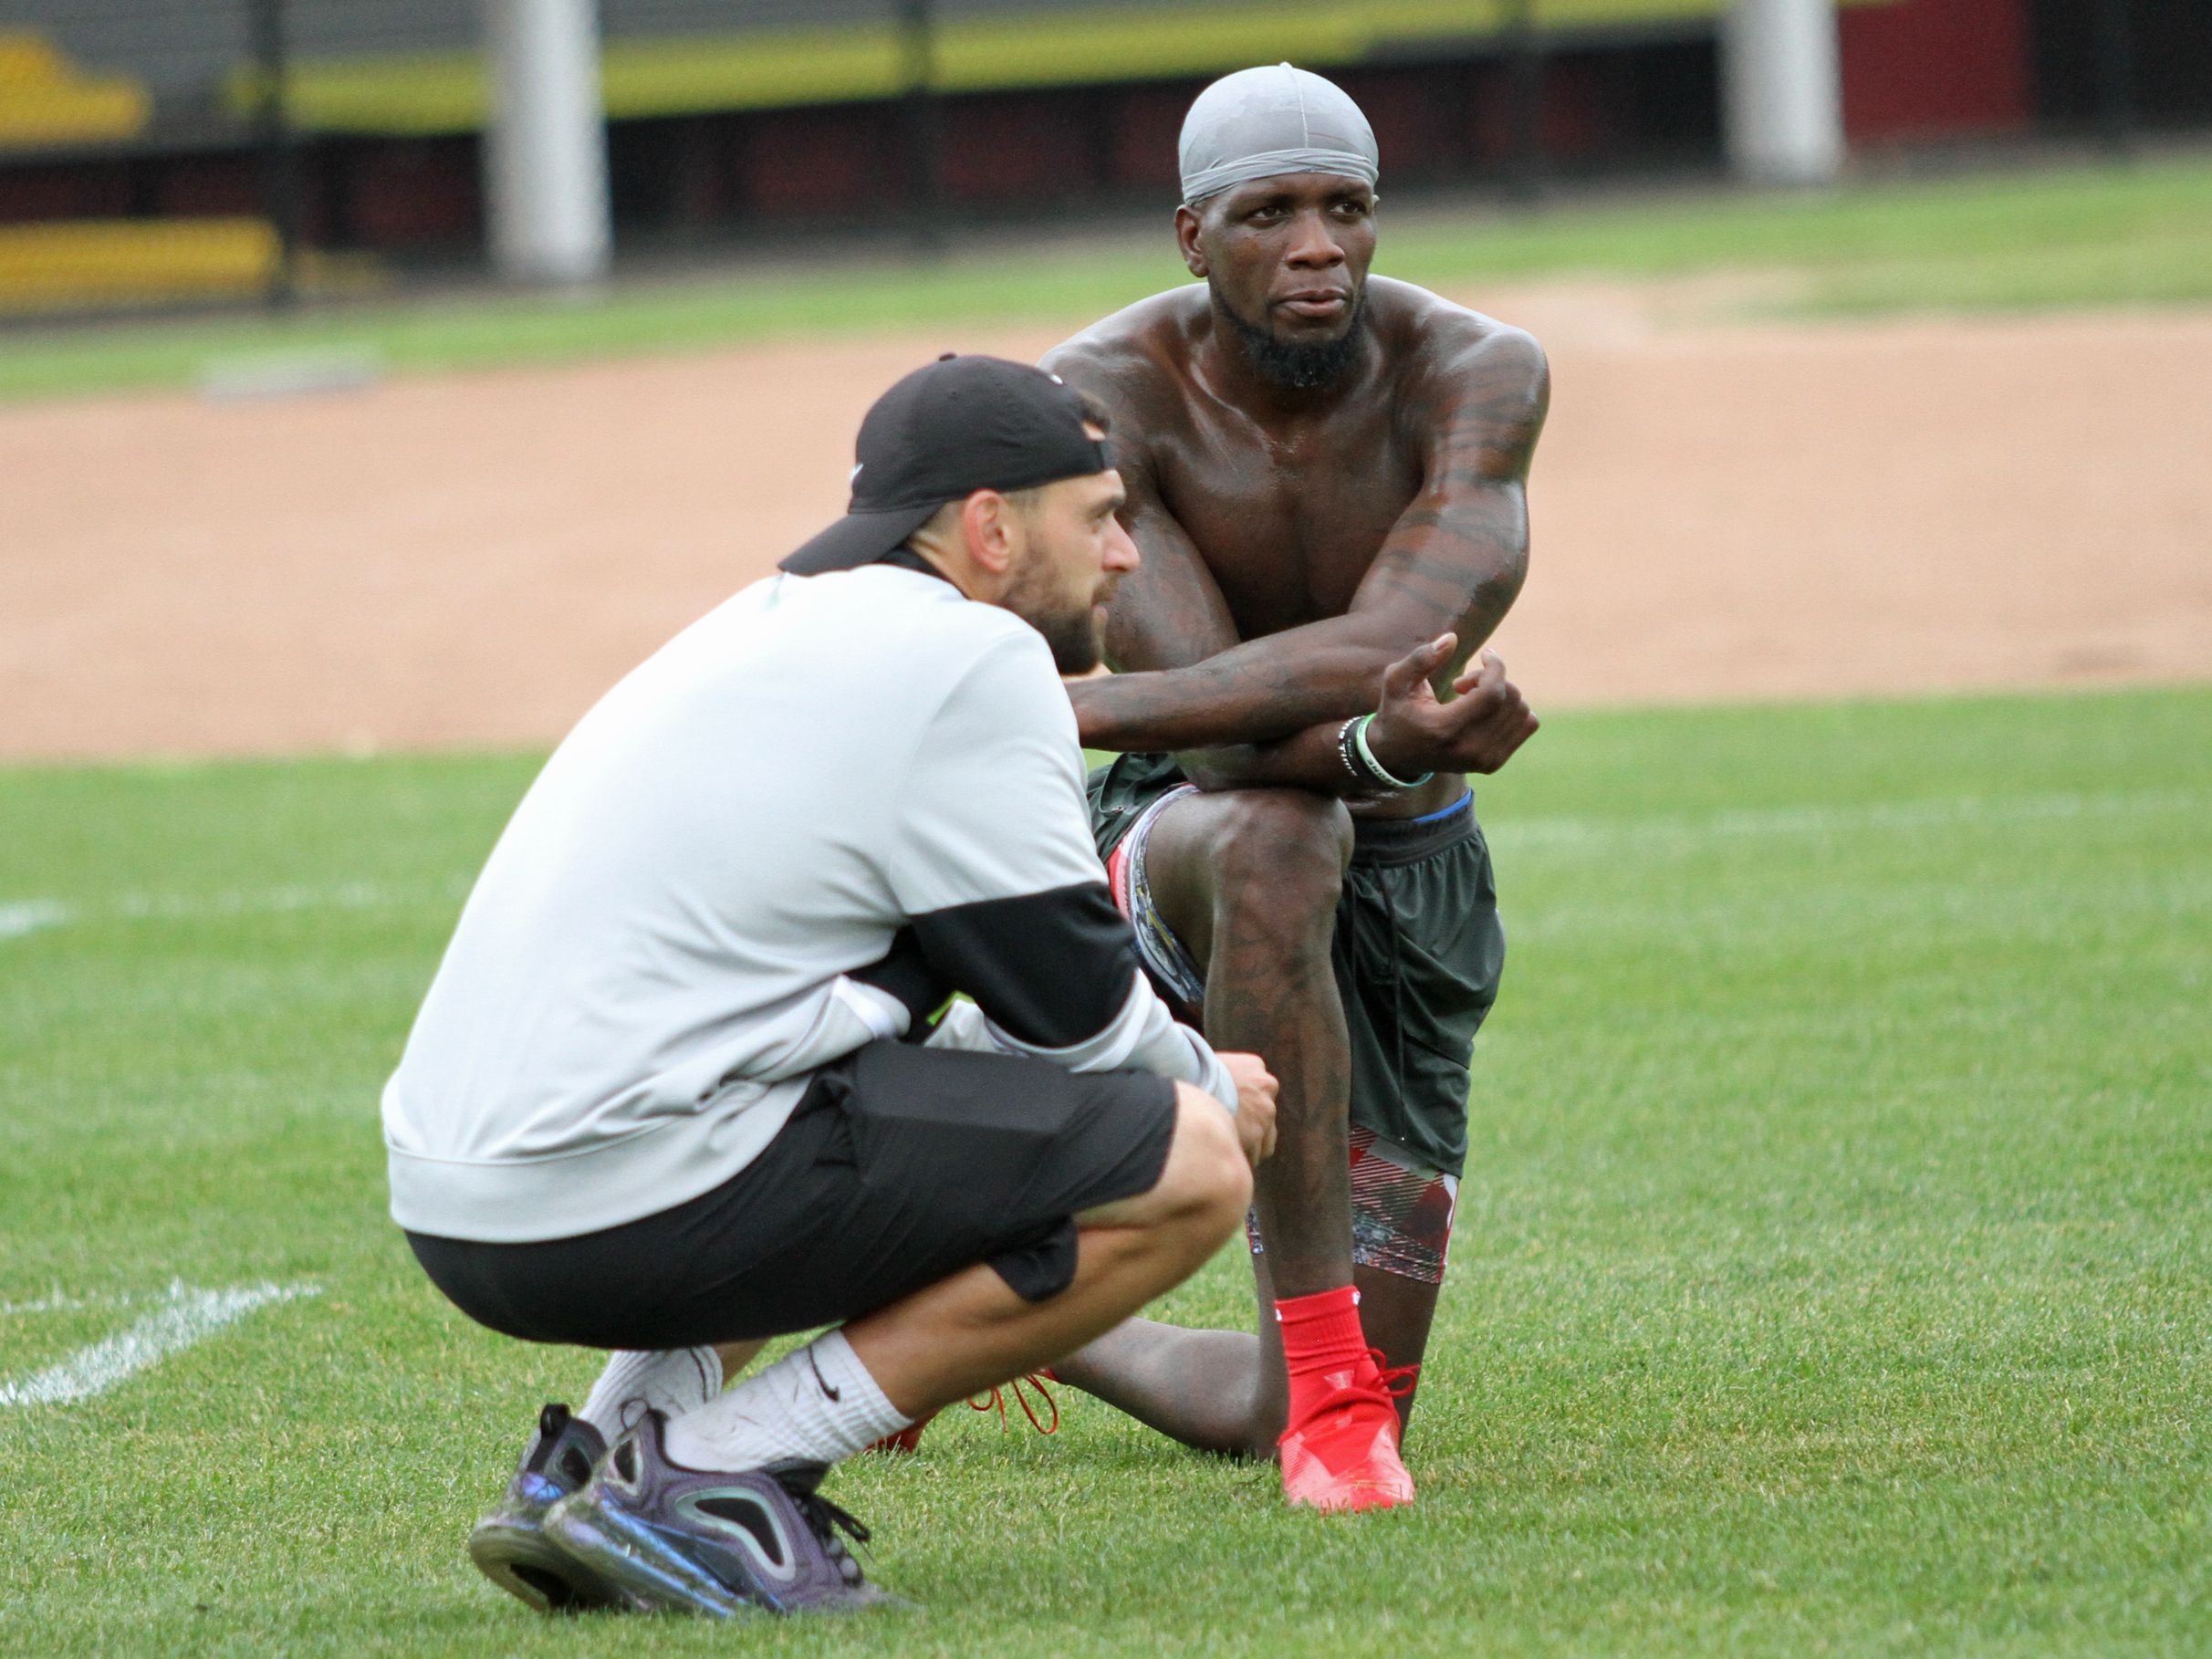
2065 236
1833 1270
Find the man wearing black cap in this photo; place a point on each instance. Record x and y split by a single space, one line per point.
691 1074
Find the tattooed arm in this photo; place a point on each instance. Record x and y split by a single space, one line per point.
1454 562
1169 612
1477 730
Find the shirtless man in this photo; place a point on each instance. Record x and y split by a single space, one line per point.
1325 476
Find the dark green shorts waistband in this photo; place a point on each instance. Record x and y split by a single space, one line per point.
1408 840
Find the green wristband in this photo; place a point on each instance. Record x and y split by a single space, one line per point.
1358 738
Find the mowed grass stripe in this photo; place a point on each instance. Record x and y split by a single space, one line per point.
1681 833
1831 1274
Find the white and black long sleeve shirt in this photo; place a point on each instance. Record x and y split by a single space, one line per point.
801 824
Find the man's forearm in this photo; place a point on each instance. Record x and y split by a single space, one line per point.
1410 736
1252 694
1312 759
1268 689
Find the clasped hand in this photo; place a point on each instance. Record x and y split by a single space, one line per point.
1476 729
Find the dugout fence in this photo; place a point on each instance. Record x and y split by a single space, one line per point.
146 157
175 153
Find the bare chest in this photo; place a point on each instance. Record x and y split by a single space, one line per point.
1287 522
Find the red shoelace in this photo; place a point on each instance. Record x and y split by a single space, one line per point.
1398 1381
995 1400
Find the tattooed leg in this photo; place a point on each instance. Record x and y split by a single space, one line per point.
1263 869
1249 882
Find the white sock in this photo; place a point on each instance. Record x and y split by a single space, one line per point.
677 1380
816 1404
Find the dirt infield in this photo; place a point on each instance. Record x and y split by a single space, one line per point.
1719 513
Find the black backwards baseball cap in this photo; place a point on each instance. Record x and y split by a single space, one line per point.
961 424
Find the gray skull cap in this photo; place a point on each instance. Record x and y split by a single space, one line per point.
1261 123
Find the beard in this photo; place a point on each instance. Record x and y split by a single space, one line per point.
1296 366
1070 631
1073 637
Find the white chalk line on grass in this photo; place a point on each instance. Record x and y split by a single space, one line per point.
181 1317
59 1303
29 916
273 901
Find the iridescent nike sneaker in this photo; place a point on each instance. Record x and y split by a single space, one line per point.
509 1545
696 1540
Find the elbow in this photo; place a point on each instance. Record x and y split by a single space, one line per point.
1210 769
1387 639
1099 722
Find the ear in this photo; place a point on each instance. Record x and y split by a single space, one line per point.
1186 239
985 531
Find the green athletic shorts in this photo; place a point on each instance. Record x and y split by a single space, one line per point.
1418 951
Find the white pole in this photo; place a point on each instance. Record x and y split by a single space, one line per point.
544 151
1782 90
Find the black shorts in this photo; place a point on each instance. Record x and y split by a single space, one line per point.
1418 952
901 1167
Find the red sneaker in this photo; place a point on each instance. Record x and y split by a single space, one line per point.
909 1439
1343 1455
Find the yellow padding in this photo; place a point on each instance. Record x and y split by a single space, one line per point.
777 67
30 57
107 262
72 113
44 101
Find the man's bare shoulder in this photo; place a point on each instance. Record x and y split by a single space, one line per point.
1136 354
1437 342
